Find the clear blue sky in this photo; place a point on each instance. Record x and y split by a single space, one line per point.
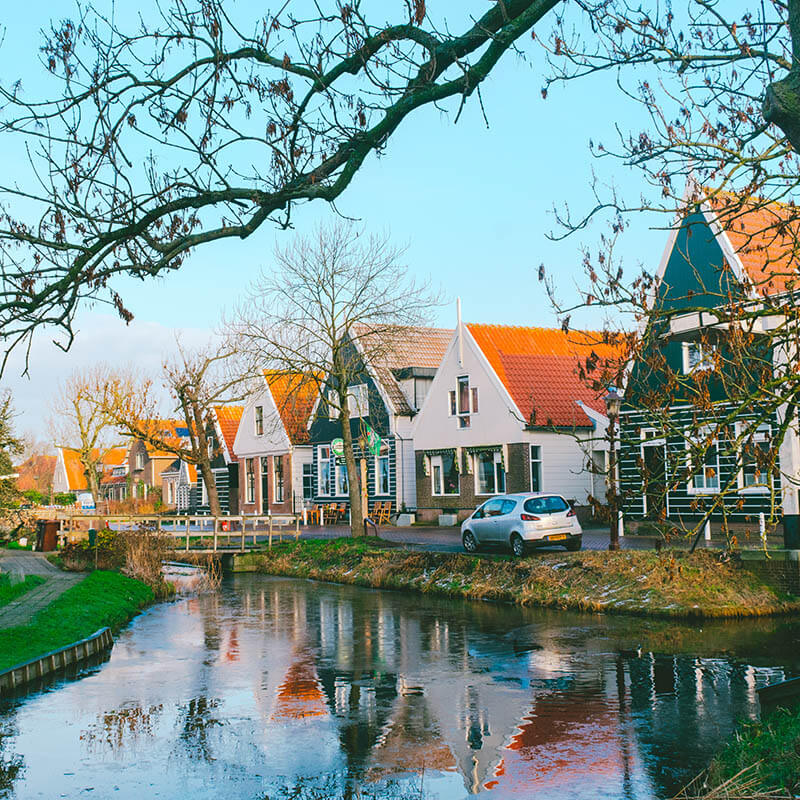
473 204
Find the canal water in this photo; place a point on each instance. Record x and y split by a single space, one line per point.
294 690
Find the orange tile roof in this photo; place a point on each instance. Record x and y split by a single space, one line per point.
294 395
766 237
228 419
76 477
540 369
36 472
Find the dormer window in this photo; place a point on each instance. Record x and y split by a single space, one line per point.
358 400
259 420
698 357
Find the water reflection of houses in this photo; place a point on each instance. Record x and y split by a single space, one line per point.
494 695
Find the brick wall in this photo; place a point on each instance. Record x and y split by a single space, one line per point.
781 570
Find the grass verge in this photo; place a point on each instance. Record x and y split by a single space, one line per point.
102 599
763 759
667 584
12 590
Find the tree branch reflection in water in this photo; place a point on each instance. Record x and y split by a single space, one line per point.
339 787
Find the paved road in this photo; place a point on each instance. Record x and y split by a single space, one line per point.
25 607
448 540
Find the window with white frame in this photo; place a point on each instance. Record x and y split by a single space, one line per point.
358 400
324 474
444 474
203 493
171 492
466 397
342 485
703 463
249 480
756 458
308 481
490 475
452 408
140 459
259 420
382 474
277 478
210 445
697 357
536 468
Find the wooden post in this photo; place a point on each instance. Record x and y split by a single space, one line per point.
242 524
187 534
270 531
296 527
216 521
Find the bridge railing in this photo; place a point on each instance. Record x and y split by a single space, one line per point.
242 530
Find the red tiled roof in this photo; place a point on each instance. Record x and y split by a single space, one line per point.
539 368
766 238
294 395
36 472
76 477
228 418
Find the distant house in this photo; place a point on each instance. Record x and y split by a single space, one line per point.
508 412
146 463
706 264
36 473
220 436
178 482
385 396
272 445
69 474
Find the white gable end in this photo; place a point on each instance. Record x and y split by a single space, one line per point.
273 440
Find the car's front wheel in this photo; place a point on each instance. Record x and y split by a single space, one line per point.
517 545
470 542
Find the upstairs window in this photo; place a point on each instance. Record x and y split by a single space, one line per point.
259 420
466 398
210 444
358 400
140 459
333 404
704 462
698 357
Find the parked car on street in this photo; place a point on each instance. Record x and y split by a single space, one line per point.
521 521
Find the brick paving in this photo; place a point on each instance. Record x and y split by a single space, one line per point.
21 562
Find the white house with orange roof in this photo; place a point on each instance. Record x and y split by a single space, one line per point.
272 445
69 474
508 412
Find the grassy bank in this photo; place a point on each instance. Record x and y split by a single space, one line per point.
665 584
763 759
10 590
102 599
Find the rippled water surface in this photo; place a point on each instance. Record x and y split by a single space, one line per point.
288 689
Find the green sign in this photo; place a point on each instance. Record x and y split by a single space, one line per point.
373 440
337 447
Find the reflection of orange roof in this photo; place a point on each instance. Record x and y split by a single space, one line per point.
300 694
563 736
294 394
539 369
764 235
228 418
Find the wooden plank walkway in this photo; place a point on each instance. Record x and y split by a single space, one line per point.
21 562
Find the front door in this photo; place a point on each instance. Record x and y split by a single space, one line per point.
265 484
654 479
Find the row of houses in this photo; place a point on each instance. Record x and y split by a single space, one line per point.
462 414
479 410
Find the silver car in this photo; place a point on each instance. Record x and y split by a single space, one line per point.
521 521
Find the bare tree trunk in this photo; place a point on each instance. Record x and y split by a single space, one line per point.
353 473
92 483
203 459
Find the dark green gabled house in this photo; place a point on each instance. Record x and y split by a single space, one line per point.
696 431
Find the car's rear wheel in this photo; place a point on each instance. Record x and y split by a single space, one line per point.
470 542
574 544
517 545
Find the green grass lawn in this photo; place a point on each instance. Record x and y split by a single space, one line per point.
101 599
11 590
769 752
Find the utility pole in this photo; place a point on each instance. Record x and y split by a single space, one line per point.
613 402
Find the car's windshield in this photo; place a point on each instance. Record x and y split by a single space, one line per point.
546 505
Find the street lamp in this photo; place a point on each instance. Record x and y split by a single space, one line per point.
613 402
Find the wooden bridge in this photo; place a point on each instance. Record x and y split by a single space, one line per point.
195 533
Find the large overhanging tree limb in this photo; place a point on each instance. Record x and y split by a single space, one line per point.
190 132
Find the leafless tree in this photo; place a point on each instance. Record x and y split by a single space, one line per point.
79 423
199 126
323 293
197 381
